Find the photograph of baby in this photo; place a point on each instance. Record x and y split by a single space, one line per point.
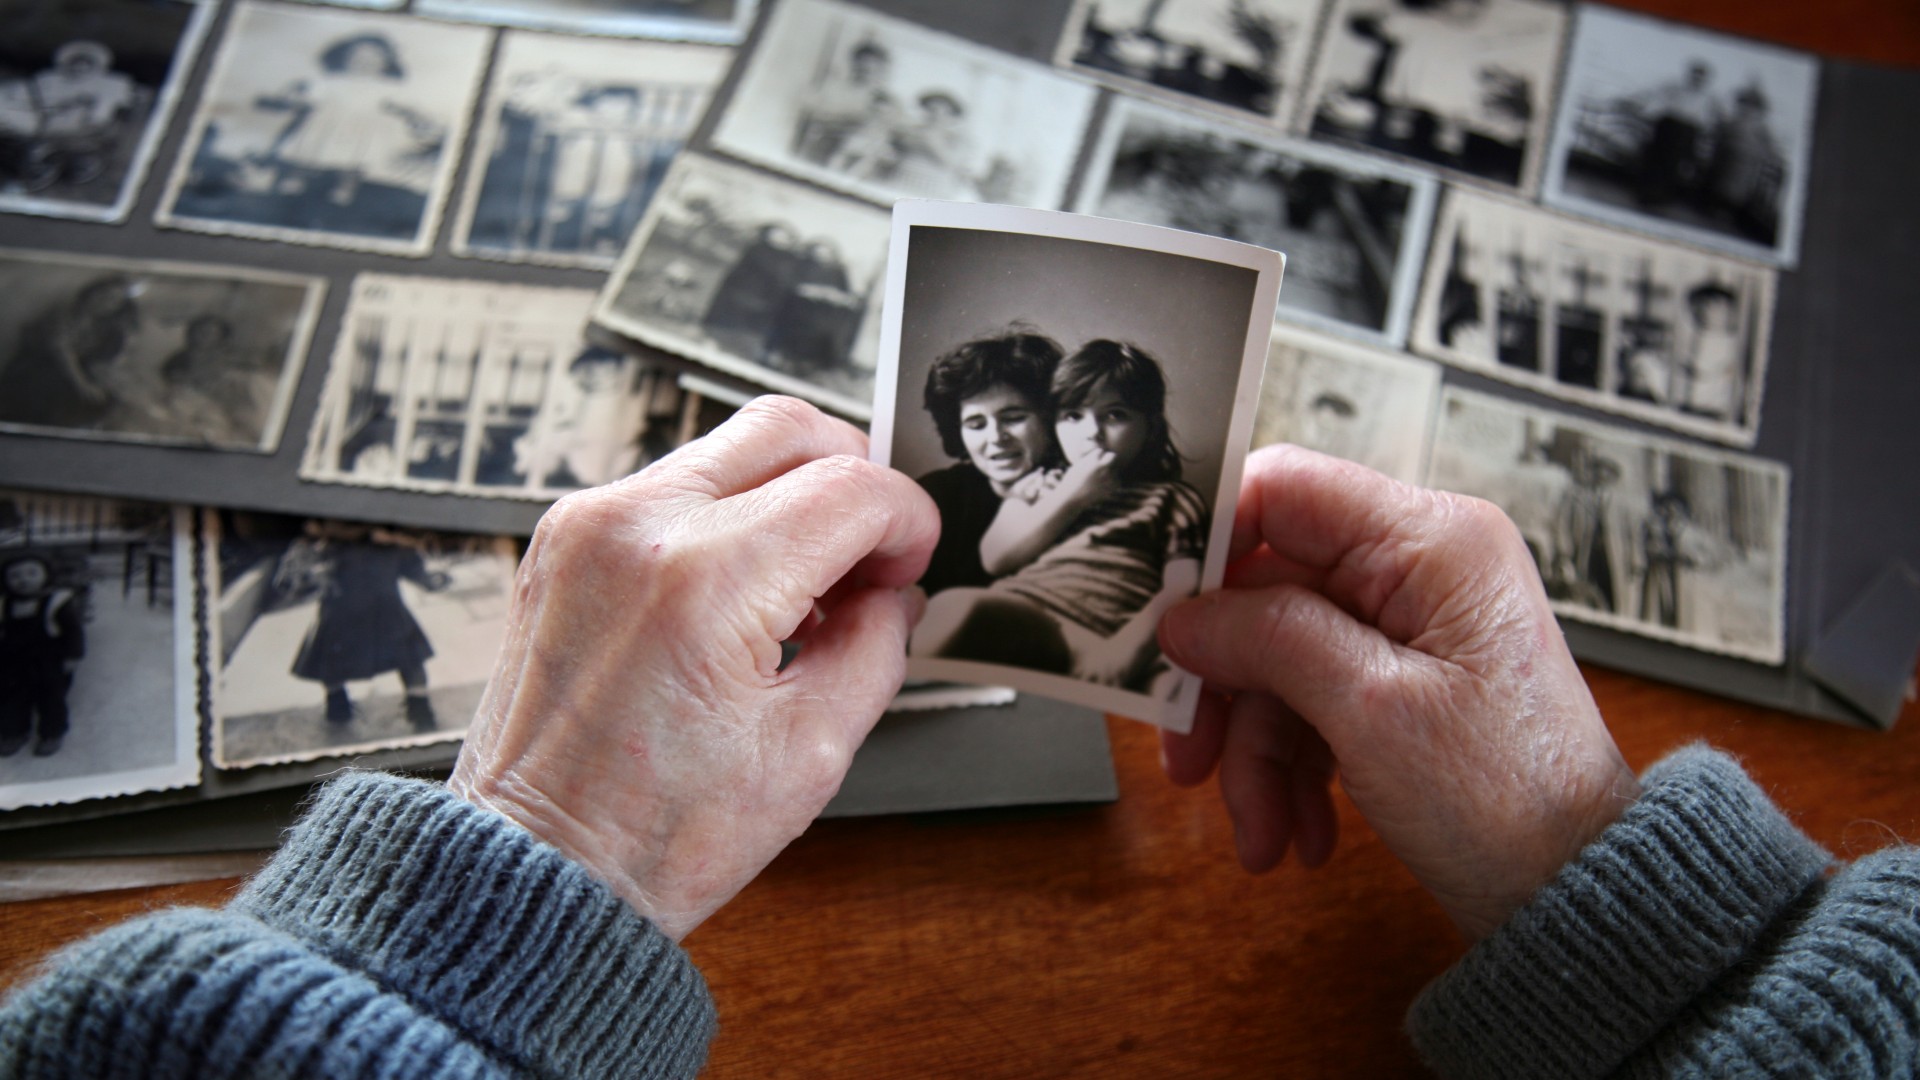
884 109
86 89
328 127
674 20
1076 396
98 691
334 637
154 352
1354 402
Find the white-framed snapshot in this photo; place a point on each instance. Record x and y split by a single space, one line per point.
147 351
85 95
1613 320
329 127
716 21
575 137
327 638
1076 395
1248 57
1637 532
480 388
98 688
1353 401
1354 226
759 278
1462 85
1684 132
881 108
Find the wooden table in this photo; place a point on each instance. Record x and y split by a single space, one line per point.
1123 940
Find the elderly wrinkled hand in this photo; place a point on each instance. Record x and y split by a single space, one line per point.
639 717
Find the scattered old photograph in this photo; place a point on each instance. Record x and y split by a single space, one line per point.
575 138
327 126
332 637
1636 532
149 351
1354 228
723 21
98 695
477 388
1661 332
884 109
1685 132
759 278
1249 56
1076 396
1466 85
86 88
1352 401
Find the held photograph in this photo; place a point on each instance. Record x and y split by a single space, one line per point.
1643 534
329 127
1351 401
1076 396
723 21
1354 227
86 89
151 352
98 690
758 278
1686 133
883 109
327 638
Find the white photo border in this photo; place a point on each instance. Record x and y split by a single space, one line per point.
507 13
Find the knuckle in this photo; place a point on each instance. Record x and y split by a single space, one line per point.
781 410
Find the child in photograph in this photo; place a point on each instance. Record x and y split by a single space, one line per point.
1089 555
42 640
1711 380
62 371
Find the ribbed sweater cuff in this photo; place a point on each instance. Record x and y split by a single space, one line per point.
1649 915
481 924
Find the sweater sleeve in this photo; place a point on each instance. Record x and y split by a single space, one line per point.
398 932
1698 936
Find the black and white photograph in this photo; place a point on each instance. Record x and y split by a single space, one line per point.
1664 539
1661 332
478 388
1352 401
721 21
1464 85
1076 396
332 637
152 352
1354 228
575 138
759 278
1246 56
859 102
1685 132
329 127
86 88
98 690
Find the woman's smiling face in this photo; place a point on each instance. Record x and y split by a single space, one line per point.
1005 433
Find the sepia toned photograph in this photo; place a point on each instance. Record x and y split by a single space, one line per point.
880 108
1358 403
154 352
477 388
575 138
1247 56
86 89
1664 333
1354 228
1685 132
329 127
759 278
1076 396
98 690
328 638
723 21
1464 85
1655 537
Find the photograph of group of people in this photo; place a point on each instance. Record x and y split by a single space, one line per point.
1247 56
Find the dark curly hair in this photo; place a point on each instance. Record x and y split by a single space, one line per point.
1019 358
1137 378
335 57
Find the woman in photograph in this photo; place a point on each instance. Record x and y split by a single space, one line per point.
1088 555
61 373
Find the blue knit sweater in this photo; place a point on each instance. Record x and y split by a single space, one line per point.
401 932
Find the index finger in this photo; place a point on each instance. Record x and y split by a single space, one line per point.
768 437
